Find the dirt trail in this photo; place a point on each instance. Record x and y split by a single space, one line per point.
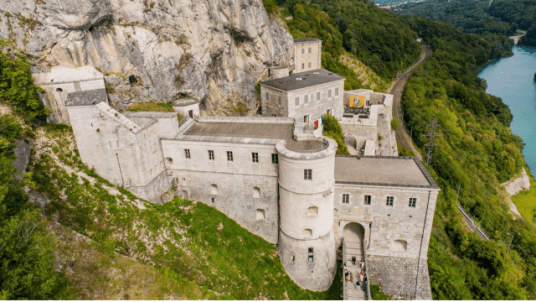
397 88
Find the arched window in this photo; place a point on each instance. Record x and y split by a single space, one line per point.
307 233
399 246
256 192
261 214
312 211
214 189
59 90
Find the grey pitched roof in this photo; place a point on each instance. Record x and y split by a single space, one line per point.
307 40
308 79
382 171
86 98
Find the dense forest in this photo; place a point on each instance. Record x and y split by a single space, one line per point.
502 17
27 250
476 150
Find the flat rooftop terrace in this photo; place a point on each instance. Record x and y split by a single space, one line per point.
386 171
277 131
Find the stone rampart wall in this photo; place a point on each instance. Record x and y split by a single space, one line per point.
398 277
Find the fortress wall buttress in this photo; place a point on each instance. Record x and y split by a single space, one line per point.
306 240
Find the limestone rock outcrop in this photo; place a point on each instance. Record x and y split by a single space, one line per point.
214 50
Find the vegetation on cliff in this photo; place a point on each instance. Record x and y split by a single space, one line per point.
475 153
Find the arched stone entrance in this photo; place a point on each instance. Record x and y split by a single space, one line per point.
354 232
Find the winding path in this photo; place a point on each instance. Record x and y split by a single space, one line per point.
396 89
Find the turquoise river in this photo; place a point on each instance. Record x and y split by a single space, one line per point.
512 79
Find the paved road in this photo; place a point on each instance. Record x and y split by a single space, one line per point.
402 136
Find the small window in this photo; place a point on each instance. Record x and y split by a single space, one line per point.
312 211
303 51
412 202
318 96
367 199
267 96
307 233
306 99
337 91
213 189
256 192
255 157
279 100
389 201
59 90
309 64
261 214
169 160
308 174
275 158
309 51
229 156
345 198
310 251
212 199
187 153
329 93
303 66
211 154
306 119
297 101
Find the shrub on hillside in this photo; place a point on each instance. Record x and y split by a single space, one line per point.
333 129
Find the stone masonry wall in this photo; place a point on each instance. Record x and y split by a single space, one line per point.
386 227
229 186
398 277
302 56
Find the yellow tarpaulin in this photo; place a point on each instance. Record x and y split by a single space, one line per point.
357 101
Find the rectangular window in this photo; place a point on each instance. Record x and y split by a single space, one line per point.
211 154
345 198
279 100
310 251
309 64
367 199
297 100
309 49
389 201
318 96
337 91
329 93
306 99
267 96
229 156
187 153
412 202
302 65
275 158
303 51
255 157
308 174
306 119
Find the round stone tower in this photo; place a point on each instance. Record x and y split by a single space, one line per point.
306 189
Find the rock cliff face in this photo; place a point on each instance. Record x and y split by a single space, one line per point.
214 50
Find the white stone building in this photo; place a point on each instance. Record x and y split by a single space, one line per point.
275 176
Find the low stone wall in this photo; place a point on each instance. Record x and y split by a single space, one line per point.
397 277
154 190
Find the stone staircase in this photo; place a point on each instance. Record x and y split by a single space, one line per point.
351 291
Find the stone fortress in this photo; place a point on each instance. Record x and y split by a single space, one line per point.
275 174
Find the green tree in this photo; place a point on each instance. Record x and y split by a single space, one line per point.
333 129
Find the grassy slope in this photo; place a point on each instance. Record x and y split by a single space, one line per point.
189 243
525 201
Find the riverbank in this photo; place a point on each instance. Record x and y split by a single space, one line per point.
512 79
